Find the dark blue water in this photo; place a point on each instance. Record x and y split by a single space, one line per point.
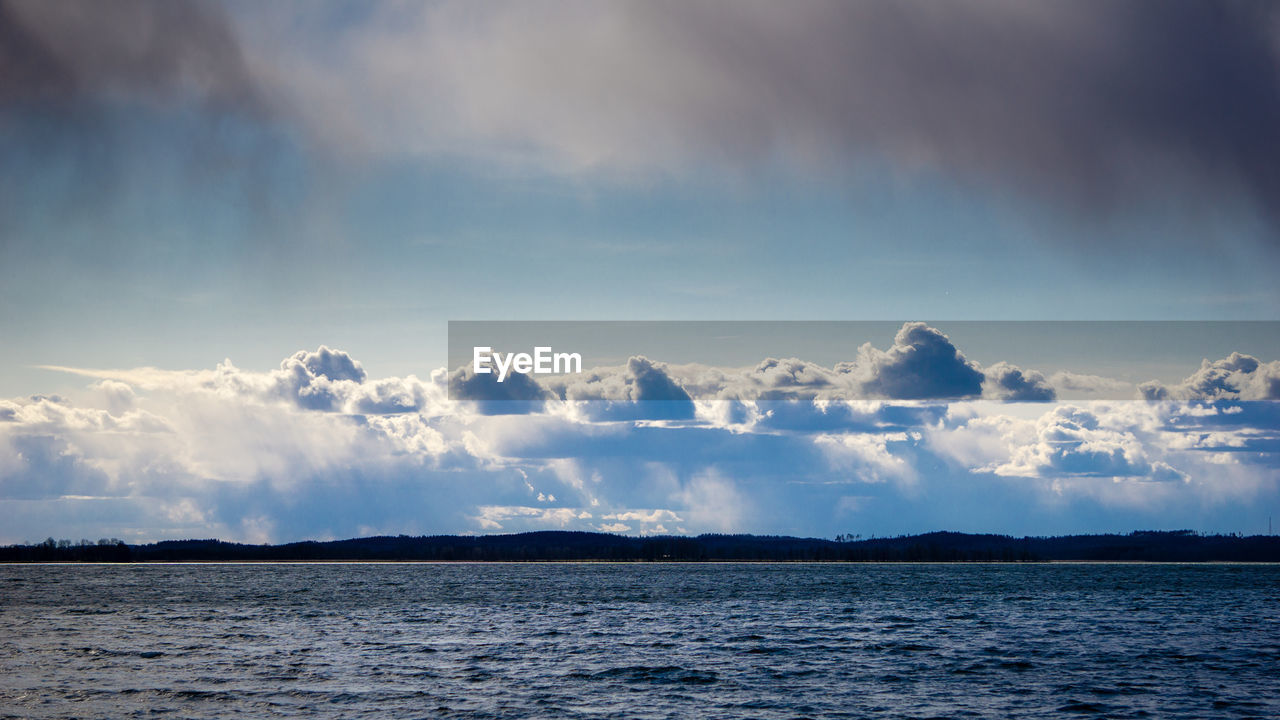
640 641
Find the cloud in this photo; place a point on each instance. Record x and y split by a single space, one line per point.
317 448
713 502
1070 441
1161 99
79 53
1235 377
492 517
651 382
1010 383
1112 456
644 516
770 379
1089 106
316 379
922 364
203 453
839 416
1084 386
789 377
326 379
325 363
143 101
640 390
516 394
119 397
867 457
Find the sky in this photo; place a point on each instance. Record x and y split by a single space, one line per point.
233 235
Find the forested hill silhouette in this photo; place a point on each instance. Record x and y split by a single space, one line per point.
1150 546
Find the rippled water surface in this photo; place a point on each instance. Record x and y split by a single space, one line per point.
640 641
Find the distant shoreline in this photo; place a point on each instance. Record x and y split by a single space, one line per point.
583 547
143 563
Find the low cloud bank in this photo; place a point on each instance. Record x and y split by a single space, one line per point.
317 448
1235 377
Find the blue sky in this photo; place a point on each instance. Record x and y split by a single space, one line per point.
188 182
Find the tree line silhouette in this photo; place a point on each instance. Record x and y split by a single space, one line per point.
1150 546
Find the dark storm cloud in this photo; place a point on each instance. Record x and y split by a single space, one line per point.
1091 106
66 54
101 103
1087 106
1075 100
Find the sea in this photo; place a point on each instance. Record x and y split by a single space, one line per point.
638 640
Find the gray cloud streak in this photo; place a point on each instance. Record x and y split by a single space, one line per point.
1090 106
98 97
